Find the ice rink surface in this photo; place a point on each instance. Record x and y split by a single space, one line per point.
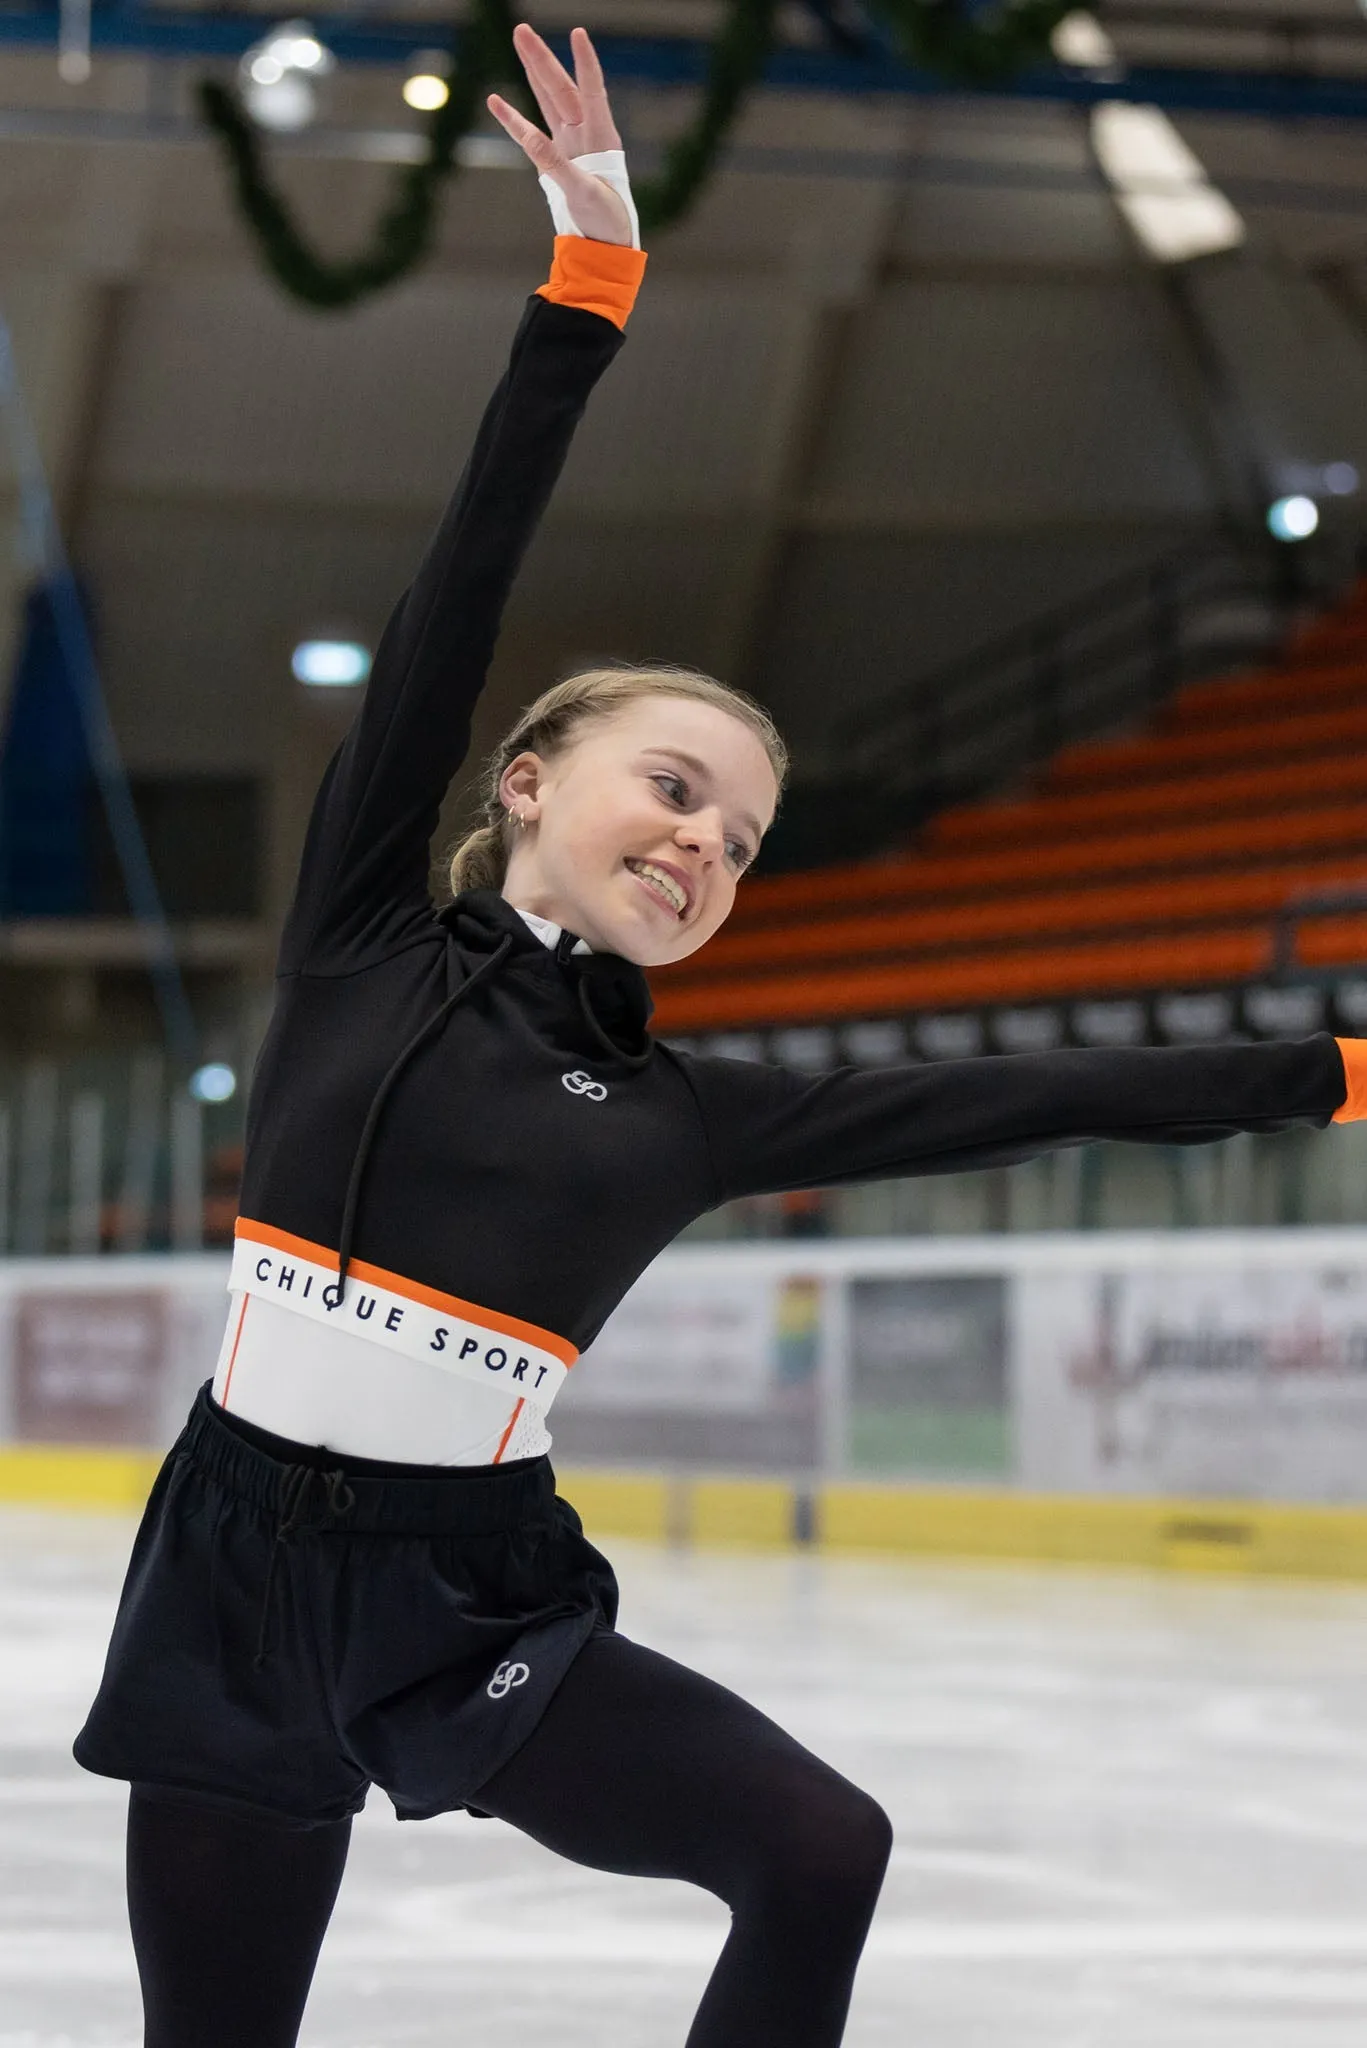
1130 1811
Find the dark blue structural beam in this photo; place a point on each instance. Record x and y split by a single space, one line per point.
661 61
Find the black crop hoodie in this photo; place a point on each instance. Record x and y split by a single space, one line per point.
442 1096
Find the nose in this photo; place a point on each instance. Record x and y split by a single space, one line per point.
704 833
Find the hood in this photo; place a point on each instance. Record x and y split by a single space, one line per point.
613 993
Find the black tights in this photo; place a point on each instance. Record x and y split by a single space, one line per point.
638 1766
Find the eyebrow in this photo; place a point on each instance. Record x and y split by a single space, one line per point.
701 768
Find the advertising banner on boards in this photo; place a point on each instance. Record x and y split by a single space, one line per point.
106 1351
926 1379
1243 1380
1204 1365
88 1367
722 1373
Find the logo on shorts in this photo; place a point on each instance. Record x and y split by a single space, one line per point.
505 1678
580 1083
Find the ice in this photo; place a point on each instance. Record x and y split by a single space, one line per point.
1129 1810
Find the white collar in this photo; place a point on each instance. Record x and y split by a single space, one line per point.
549 933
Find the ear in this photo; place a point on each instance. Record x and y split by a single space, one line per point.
520 783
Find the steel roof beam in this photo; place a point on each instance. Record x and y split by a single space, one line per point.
664 62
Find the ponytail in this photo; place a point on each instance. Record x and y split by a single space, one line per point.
481 860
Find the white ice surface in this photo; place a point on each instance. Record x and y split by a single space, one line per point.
1129 1812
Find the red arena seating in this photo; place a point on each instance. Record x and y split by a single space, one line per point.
1136 864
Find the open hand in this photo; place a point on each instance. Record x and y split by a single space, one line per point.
580 121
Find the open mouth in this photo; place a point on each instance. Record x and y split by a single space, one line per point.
661 887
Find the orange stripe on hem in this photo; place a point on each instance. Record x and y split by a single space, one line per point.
598 277
232 1361
413 1290
503 1440
1354 1054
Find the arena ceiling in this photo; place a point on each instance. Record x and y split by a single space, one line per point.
903 378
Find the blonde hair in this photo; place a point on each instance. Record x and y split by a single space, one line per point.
552 724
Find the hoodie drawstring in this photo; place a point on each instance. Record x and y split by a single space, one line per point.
295 1488
334 1294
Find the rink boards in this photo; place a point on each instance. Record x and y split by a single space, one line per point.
1252 1537
1194 1400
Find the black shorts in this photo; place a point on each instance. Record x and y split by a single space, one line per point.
297 1625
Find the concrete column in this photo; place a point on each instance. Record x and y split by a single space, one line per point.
57 289
831 269
310 725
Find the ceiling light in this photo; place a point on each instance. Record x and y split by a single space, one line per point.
73 41
1138 147
1292 518
1160 185
331 664
425 92
305 53
215 1082
286 104
1080 40
278 76
1174 228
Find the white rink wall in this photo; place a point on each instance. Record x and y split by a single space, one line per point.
1215 1364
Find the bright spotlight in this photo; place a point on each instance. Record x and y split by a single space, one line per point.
288 104
306 53
425 92
1292 518
298 48
1160 186
279 73
215 1082
1080 40
331 664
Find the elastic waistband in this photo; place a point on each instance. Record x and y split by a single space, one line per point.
396 1500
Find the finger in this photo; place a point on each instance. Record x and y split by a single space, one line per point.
538 146
565 82
556 92
550 111
600 130
587 70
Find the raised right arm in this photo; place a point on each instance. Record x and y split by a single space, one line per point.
363 876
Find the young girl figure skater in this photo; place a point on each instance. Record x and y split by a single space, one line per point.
463 1147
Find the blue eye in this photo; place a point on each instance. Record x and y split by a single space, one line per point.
738 852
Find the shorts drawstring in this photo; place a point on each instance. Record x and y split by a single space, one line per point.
295 1487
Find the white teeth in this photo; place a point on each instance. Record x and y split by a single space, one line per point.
662 881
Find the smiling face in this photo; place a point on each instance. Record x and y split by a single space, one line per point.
638 833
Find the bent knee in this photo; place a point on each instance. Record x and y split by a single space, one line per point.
865 1839
833 1843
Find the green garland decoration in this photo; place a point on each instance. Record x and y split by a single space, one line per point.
972 44
738 58
966 43
482 56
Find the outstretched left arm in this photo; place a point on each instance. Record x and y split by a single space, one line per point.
769 1128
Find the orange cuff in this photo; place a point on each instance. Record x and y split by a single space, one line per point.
598 277
1354 1051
